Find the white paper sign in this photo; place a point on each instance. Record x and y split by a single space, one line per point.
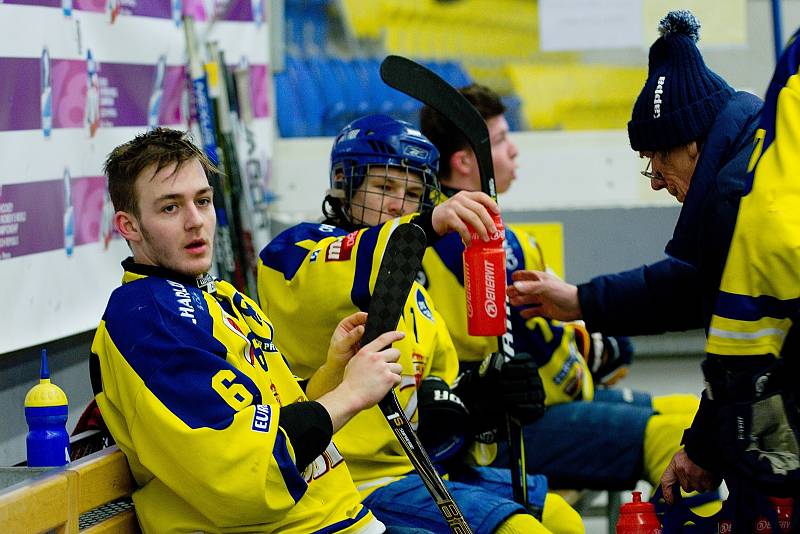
589 24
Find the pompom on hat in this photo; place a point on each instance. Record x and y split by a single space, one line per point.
681 96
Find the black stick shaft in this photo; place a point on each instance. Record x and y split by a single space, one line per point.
426 86
399 267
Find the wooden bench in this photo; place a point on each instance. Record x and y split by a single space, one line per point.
90 496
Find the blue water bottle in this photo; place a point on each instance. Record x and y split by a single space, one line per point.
46 414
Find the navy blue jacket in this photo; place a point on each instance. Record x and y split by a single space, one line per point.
678 293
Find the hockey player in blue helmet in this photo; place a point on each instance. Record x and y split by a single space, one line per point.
383 173
380 167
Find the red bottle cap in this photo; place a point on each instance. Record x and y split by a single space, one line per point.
637 506
638 517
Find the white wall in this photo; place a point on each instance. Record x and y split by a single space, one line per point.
557 170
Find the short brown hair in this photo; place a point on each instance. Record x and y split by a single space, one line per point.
160 147
443 133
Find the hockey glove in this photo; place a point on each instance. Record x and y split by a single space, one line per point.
608 358
499 388
444 422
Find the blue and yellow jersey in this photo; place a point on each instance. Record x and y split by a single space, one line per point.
557 347
313 275
759 295
194 391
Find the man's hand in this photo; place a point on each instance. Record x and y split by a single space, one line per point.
373 371
546 295
688 474
465 210
351 380
343 346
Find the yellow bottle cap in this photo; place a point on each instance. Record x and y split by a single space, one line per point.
45 393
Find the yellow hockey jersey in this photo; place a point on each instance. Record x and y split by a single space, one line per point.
557 347
194 392
760 290
314 275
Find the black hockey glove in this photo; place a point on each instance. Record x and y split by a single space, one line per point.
499 388
444 422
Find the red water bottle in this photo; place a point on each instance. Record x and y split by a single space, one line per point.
783 509
485 282
638 517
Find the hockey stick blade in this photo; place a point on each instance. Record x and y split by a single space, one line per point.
399 267
421 83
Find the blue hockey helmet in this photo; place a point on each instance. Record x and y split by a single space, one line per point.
381 140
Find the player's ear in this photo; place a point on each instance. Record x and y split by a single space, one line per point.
463 161
128 226
693 149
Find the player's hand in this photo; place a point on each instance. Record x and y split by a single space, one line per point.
545 295
345 339
373 371
689 475
464 210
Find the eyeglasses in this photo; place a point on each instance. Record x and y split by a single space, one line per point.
650 175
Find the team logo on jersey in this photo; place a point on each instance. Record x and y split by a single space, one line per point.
262 418
247 352
422 304
342 248
256 346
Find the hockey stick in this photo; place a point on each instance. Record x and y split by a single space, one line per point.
241 238
399 267
426 86
204 111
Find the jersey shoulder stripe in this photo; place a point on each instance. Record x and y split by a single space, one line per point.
360 294
747 308
284 253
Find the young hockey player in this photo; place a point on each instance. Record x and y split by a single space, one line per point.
383 168
217 432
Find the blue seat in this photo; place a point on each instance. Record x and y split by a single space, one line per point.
335 104
355 97
309 95
513 104
289 112
455 74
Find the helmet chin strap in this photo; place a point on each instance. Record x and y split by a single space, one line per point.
335 193
333 207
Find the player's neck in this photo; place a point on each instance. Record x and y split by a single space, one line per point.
203 280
